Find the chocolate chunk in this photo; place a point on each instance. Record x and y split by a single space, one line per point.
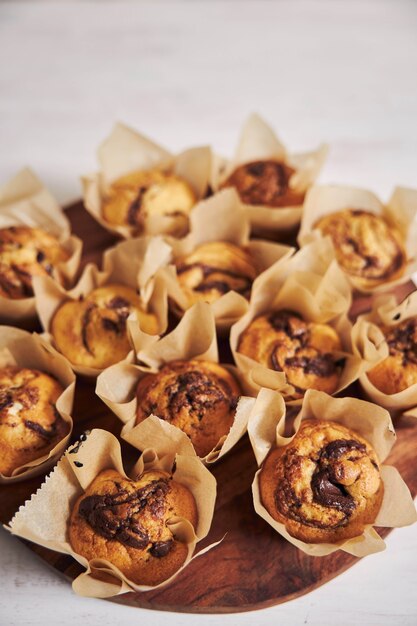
281 320
401 340
45 433
335 449
321 365
118 303
198 392
161 548
135 207
6 399
328 493
84 327
116 327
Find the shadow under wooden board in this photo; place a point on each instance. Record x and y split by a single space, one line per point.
253 567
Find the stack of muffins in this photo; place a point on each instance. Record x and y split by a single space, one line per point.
248 254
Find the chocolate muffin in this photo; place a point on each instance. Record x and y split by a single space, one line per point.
199 397
325 485
30 425
215 268
92 332
138 195
265 183
26 252
125 522
367 248
399 370
284 342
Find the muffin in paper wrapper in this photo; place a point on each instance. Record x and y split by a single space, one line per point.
193 338
44 519
125 151
400 212
369 342
266 429
24 201
221 218
22 349
309 283
132 263
257 142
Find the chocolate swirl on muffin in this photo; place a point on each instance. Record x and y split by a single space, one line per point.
367 248
214 269
92 331
199 397
26 252
325 485
304 351
30 425
125 522
265 183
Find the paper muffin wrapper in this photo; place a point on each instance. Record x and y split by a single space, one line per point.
193 338
132 263
258 141
221 218
311 284
44 519
266 431
369 342
25 201
125 151
400 213
22 349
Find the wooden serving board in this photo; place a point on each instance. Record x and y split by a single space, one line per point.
253 567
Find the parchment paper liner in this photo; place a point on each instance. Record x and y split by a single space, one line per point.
400 212
125 151
193 338
25 201
22 349
44 518
258 141
369 342
312 284
221 218
133 263
266 431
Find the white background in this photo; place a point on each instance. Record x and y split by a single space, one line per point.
186 73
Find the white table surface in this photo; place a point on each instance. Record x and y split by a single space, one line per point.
185 73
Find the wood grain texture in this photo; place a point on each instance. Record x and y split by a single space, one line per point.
253 567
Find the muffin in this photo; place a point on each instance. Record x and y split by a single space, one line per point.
399 370
265 183
30 425
199 397
26 252
139 195
92 332
325 485
125 522
213 269
367 248
284 342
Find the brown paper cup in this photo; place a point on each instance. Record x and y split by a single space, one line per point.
311 284
266 431
24 201
125 151
44 519
221 218
193 338
369 342
22 349
400 212
259 142
133 263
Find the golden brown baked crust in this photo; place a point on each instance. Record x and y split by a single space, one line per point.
92 332
214 269
367 248
26 252
199 397
264 183
30 425
138 195
399 370
125 522
283 341
324 486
